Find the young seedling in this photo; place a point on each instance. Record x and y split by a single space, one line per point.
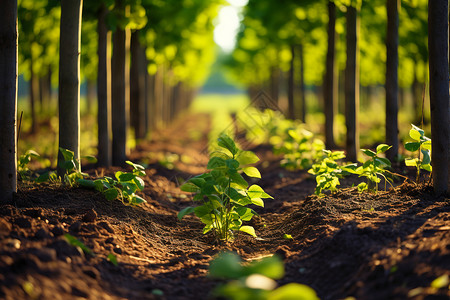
255 280
71 165
223 193
328 171
123 187
422 144
22 164
373 169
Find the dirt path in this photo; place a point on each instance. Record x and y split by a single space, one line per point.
391 245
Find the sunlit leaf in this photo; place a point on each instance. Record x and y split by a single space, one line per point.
248 229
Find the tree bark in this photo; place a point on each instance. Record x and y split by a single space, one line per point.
120 92
302 84
439 94
8 103
330 83
291 106
391 84
137 87
104 91
69 79
352 84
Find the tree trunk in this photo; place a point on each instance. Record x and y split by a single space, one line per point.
302 84
69 79
8 103
352 84
120 92
439 94
137 87
391 84
330 83
291 106
104 91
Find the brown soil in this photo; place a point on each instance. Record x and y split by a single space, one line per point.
389 245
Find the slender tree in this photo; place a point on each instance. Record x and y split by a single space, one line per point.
137 86
104 90
291 106
439 93
120 90
352 84
392 78
8 100
69 78
330 83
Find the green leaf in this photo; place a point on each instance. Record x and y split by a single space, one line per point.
293 291
112 259
252 172
442 281
126 177
32 153
91 159
427 168
271 267
111 194
248 229
369 152
415 134
135 166
239 180
381 148
139 182
67 154
426 157
185 211
287 236
258 201
412 146
385 161
426 145
411 162
68 165
245 214
215 162
189 187
227 265
247 158
226 142
137 200
75 242
255 191
86 183
362 187
232 164
43 177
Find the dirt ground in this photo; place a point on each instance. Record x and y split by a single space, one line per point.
389 245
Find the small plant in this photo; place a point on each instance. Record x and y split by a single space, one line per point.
123 187
373 169
422 144
71 167
328 171
22 164
224 193
255 280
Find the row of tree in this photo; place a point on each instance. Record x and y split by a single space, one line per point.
363 42
147 56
